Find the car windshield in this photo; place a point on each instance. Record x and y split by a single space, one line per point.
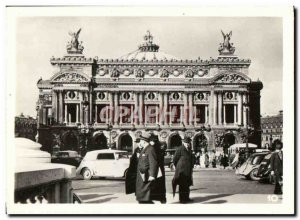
257 159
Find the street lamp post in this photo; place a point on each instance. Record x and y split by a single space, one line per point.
84 129
109 128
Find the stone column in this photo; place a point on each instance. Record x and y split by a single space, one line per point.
220 107
111 107
61 101
224 115
81 108
116 107
215 108
66 113
96 114
131 114
210 108
170 115
206 114
136 108
44 116
185 104
245 116
240 108
141 108
195 116
190 108
161 112
145 115
165 108
91 107
54 105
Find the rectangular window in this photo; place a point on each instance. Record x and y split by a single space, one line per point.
126 113
71 113
229 112
108 156
200 114
151 113
102 113
175 113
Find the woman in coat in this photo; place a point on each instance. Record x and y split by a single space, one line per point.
184 162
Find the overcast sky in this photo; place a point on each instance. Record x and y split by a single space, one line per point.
259 39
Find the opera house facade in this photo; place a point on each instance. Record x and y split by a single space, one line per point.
93 103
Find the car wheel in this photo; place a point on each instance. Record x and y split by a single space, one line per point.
87 174
253 174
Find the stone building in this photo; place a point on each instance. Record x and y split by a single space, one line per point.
272 128
25 126
93 103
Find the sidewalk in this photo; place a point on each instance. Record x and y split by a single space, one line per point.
199 198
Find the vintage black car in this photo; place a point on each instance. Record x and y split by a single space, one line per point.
264 170
67 157
168 159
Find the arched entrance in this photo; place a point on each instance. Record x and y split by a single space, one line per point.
70 142
175 141
100 142
229 140
200 141
125 143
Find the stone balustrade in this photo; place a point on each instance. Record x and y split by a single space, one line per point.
37 180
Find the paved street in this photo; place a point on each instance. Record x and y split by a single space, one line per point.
210 186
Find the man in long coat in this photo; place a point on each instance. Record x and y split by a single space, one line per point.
146 171
158 188
276 164
183 161
130 178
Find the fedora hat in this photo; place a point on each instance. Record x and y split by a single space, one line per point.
187 140
145 136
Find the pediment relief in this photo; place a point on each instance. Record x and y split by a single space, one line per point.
70 78
231 77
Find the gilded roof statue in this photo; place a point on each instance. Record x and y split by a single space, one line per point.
74 47
226 48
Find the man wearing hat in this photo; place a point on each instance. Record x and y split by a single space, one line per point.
130 178
147 170
184 162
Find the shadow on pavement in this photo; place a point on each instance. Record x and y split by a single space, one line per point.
206 198
216 202
102 200
92 196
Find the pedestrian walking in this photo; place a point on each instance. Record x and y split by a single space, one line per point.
158 186
213 159
224 160
147 170
206 160
183 160
276 163
197 159
130 177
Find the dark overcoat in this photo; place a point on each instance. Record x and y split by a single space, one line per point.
130 178
184 162
158 187
276 164
147 166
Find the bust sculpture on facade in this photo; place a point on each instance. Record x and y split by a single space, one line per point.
226 48
74 47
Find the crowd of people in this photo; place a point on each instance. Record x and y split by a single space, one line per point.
146 173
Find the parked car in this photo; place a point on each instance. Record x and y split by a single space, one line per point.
104 163
168 158
68 157
249 169
264 170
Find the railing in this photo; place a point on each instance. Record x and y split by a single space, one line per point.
37 180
